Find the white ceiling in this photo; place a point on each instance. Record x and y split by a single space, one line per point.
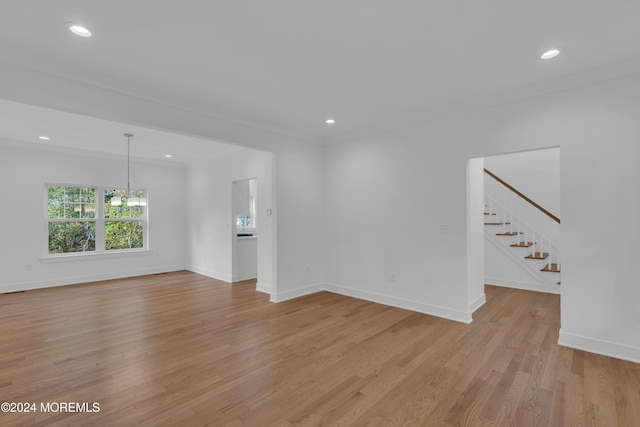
287 65
24 124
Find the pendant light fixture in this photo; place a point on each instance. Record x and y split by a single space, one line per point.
131 199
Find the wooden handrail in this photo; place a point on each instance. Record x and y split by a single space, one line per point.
528 200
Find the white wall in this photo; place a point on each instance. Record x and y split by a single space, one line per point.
293 233
387 197
536 174
245 259
376 186
297 164
475 237
301 263
24 173
211 229
354 211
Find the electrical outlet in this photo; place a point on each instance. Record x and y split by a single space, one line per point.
444 229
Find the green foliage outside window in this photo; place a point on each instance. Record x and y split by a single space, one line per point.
123 234
65 237
71 203
73 218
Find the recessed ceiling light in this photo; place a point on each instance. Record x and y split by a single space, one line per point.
78 30
550 54
168 156
46 138
330 121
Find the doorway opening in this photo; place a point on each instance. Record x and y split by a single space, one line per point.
244 197
513 217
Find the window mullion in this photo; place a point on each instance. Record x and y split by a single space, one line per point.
99 217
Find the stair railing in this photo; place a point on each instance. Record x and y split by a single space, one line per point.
523 218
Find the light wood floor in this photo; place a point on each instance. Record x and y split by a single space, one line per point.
183 349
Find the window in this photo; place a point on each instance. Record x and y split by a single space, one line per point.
124 224
94 219
72 224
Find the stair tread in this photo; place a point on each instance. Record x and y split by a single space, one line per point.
538 255
489 213
553 267
509 233
522 245
497 223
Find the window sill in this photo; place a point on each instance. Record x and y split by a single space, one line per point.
46 259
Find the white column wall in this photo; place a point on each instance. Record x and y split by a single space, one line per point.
210 226
300 224
475 234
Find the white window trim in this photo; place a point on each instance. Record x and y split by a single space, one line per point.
86 256
99 220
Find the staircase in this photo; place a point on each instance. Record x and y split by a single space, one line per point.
523 231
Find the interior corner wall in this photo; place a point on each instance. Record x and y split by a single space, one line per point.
296 264
396 220
299 212
24 173
390 196
209 221
290 184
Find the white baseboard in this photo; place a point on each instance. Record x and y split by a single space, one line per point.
479 302
263 287
525 286
210 273
605 348
444 312
297 293
433 310
235 279
27 286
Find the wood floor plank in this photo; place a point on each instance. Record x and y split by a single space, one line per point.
183 349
